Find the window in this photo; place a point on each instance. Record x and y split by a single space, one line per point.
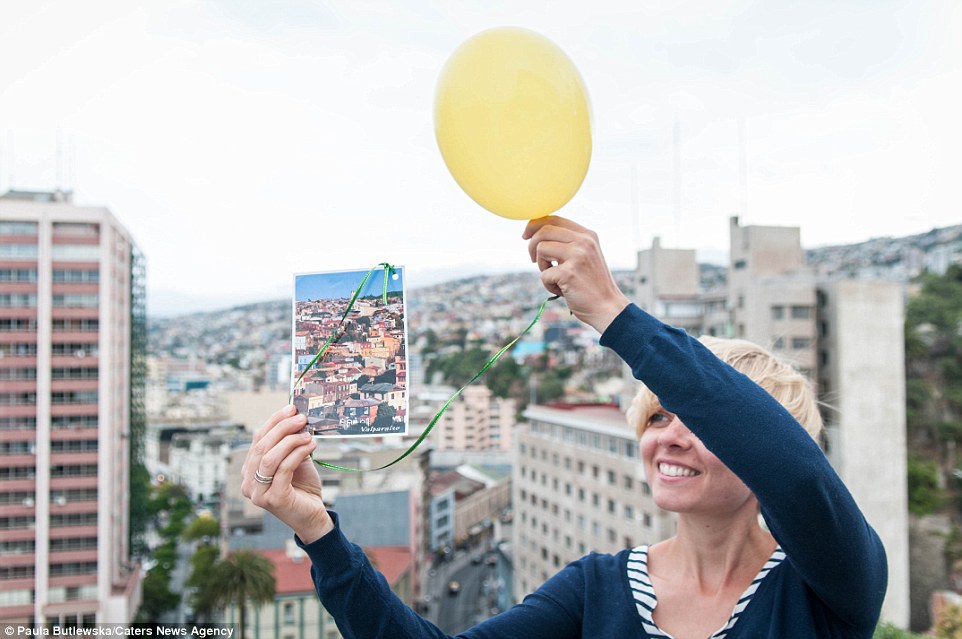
799 343
76 229
18 423
612 477
18 399
76 252
74 373
778 312
73 397
18 325
288 613
18 374
801 312
18 251
18 275
778 344
18 228
629 482
73 276
18 300
75 300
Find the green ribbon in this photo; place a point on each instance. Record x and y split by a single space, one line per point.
427 430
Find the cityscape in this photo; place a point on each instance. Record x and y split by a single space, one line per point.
122 436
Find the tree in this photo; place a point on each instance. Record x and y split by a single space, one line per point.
203 528
933 367
243 577
157 595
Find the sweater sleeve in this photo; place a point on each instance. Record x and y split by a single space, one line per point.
809 510
364 606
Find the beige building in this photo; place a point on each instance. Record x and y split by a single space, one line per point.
476 420
72 324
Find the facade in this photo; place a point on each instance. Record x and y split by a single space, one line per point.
198 460
71 387
578 486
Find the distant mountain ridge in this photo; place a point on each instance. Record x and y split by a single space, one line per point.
899 258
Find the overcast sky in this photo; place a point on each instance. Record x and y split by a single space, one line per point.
244 141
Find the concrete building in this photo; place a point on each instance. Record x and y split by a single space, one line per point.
578 485
72 330
861 378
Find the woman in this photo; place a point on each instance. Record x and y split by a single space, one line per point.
718 450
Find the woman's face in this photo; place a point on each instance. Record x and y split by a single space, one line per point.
685 477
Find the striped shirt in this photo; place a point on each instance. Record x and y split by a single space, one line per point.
645 599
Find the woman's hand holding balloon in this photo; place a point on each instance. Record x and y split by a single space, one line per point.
279 476
573 266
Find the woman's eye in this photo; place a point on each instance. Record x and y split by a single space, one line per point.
658 419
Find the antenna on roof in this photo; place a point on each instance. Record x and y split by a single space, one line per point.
742 166
676 177
59 184
11 177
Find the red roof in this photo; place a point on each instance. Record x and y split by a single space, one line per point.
293 576
391 561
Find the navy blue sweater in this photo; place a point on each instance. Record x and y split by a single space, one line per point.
831 583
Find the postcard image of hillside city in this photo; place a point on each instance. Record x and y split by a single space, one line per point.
358 386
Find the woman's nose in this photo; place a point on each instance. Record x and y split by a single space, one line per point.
675 434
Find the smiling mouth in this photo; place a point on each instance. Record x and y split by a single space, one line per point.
670 470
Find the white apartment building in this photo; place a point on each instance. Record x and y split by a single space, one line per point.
578 485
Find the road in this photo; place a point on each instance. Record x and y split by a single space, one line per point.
458 612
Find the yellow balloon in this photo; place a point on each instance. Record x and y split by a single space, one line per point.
513 123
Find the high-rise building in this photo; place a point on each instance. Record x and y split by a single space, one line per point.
72 370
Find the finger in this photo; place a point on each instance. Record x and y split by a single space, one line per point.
270 439
549 233
250 487
272 459
272 421
550 282
550 252
284 475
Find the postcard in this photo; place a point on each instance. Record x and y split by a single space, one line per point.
358 386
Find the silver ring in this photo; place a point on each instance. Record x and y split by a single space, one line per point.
260 479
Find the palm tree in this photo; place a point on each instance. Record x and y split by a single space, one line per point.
243 577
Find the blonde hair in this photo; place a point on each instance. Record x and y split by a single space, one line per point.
781 380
